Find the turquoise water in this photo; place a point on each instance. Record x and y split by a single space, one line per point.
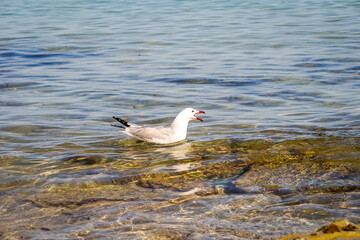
265 70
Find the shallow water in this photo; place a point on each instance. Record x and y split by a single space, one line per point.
265 73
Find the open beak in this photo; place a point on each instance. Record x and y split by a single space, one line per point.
198 117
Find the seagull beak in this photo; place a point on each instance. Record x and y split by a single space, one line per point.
198 117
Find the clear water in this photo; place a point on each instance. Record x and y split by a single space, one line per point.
261 70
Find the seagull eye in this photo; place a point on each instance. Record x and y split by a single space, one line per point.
192 110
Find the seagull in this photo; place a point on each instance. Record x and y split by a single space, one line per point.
161 134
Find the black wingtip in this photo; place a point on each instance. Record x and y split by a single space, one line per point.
125 123
117 126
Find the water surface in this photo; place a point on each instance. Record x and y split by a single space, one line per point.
265 73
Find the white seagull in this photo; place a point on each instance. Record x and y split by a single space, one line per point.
161 134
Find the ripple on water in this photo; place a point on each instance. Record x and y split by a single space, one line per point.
16 86
210 81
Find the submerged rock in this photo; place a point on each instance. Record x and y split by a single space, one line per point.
222 189
341 229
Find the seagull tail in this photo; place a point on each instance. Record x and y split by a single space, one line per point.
125 123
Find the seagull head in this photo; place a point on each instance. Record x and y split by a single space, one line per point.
190 113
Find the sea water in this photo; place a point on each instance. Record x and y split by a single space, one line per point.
261 70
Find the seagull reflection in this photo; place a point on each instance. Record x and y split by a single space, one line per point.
177 152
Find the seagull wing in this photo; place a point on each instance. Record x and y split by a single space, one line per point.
151 134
